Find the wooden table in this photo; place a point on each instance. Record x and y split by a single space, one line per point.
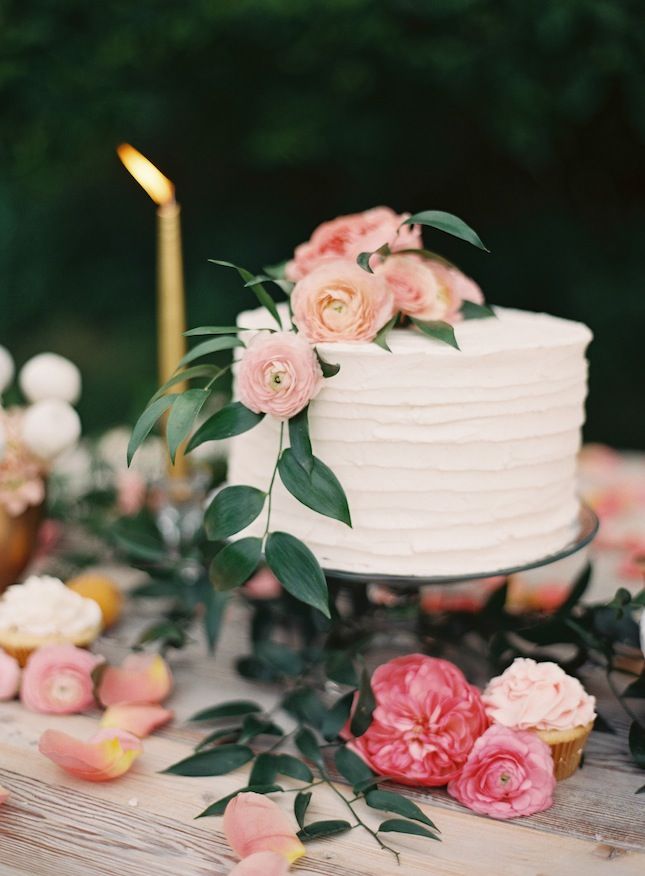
143 824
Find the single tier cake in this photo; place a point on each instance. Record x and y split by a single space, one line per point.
453 461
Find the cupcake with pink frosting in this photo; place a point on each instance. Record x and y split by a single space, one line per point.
542 698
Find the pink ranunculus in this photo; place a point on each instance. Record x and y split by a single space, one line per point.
254 823
262 864
263 585
278 374
141 679
9 676
426 720
339 301
108 754
141 720
58 679
508 773
348 236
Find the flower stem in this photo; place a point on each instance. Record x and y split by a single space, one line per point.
271 483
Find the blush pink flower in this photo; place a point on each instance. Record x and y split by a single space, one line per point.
108 755
140 720
508 773
262 864
263 585
22 482
278 374
254 823
141 679
339 301
131 491
348 236
58 680
426 720
9 676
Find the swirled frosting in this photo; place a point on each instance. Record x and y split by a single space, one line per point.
44 606
538 696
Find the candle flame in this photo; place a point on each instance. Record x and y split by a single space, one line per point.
159 187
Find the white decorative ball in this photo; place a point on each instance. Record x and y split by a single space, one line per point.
49 375
6 368
50 427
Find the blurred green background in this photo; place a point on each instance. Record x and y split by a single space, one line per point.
525 117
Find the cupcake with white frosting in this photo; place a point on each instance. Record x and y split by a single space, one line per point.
542 698
43 611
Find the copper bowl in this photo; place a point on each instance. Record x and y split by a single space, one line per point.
18 540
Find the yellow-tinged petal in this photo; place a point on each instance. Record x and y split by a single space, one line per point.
254 823
140 720
108 755
141 679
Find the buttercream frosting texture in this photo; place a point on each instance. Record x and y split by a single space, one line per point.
44 606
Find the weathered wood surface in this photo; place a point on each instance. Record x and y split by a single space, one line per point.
143 824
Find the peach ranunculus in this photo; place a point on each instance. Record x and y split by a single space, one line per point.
141 720
278 374
262 864
508 773
141 679
339 301
108 755
58 680
426 720
254 823
426 288
9 676
348 236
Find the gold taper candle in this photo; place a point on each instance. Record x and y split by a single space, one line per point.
171 309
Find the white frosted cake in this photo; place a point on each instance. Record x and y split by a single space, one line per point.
453 462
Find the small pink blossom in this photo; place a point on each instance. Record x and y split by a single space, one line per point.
426 720
58 679
254 823
508 773
339 301
347 236
278 374
263 585
131 491
9 676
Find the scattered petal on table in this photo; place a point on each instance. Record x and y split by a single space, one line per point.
141 678
4 795
108 755
140 720
254 823
262 864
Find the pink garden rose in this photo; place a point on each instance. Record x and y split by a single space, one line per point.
508 773
339 301
9 676
278 374
426 720
348 236
58 679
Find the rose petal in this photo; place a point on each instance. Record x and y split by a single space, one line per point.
140 720
4 795
142 678
108 755
254 823
261 864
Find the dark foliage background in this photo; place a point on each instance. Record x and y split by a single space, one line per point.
526 117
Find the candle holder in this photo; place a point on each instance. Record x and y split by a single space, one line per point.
178 505
18 541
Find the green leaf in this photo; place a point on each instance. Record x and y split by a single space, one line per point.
215 330
636 690
300 441
296 769
219 807
637 744
253 726
449 223
232 510
387 801
319 489
260 292
139 546
381 336
265 769
214 607
297 569
366 784
363 260
305 705
230 734
440 331
233 419
470 310
281 658
234 564
187 374
146 421
351 767
225 342
320 829
214 762
641 790
308 745
182 417
337 716
398 825
327 368
230 709
365 705
339 667
300 806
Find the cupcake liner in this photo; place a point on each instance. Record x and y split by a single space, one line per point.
567 754
18 653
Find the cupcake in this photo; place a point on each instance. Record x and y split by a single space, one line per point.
43 611
542 698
